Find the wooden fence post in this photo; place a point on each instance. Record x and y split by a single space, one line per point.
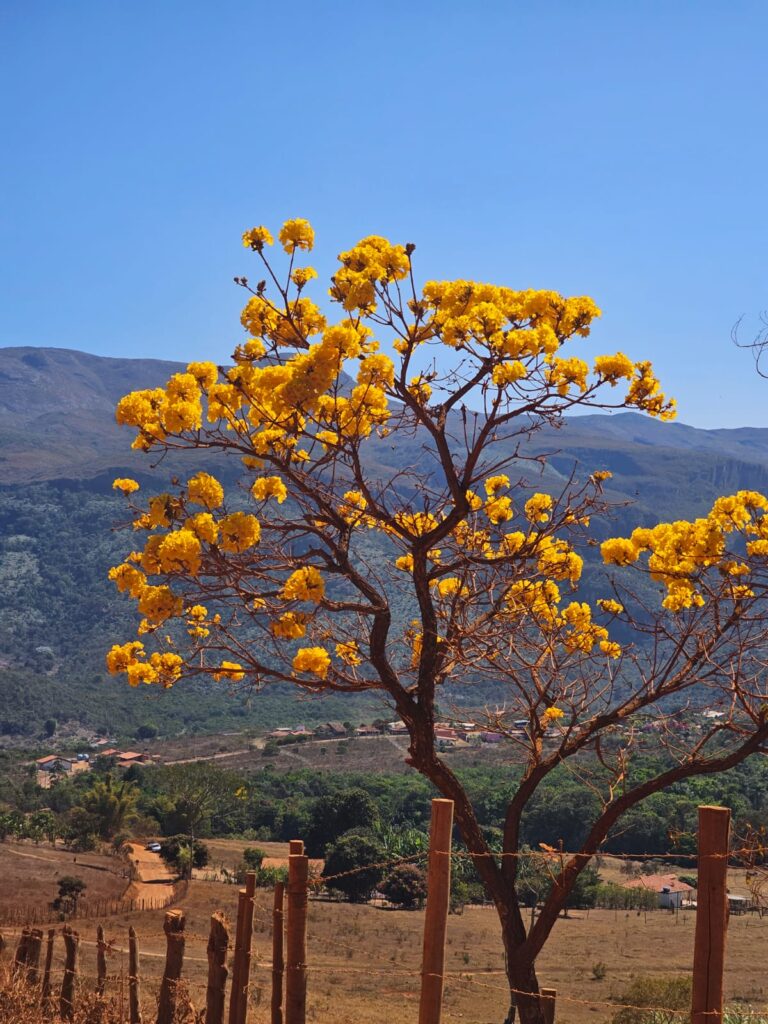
218 944
173 927
134 1005
548 997
33 955
277 955
22 949
436 918
711 916
101 962
46 990
245 952
67 998
236 986
296 937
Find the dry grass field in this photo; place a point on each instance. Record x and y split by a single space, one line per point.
29 874
364 960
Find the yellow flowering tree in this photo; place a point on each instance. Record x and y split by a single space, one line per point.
269 582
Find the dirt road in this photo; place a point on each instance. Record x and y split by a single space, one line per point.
153 879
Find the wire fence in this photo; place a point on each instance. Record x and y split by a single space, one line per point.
297 968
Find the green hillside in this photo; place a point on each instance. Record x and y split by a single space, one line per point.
59 451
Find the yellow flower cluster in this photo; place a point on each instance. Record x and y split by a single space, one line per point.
312 660
125 485
510 324
239 532
558 561
286 405
645 393
269 487
257 238
583 633
551 715
229 670
290 626
564 373
297 234
538 508
349 653
204 489
679 552
131 660
451 586
303 275
371 261
304 584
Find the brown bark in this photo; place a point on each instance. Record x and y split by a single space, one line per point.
218 944
67 998
174 961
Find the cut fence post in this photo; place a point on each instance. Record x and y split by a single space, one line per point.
277 955
173 927
101 962
134 1005
33 955
22 949
436 918
245 952
236 983
46 990
711 916
218 944
67 998
548 997
296 937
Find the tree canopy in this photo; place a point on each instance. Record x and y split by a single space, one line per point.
389 533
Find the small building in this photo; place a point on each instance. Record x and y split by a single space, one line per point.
491 737
445 733
331 729
397 727
54 766
367 730
672 893
738 904
128 758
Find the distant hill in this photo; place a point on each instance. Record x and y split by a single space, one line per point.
57 412
60 448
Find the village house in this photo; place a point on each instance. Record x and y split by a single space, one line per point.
54 766
367 730
672 893
128 758
331 729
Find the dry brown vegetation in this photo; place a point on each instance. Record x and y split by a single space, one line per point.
364 960
29 874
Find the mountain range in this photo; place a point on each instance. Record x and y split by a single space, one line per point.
60 448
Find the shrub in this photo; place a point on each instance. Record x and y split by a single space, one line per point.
253 856
406 886
654 998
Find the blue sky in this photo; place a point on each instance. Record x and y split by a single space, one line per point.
614 148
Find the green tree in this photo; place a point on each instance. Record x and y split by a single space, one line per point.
352 857
184 853
252 858
406 885
337 813
71 888
112 804
402 526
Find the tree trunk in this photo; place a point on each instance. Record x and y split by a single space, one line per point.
524 986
